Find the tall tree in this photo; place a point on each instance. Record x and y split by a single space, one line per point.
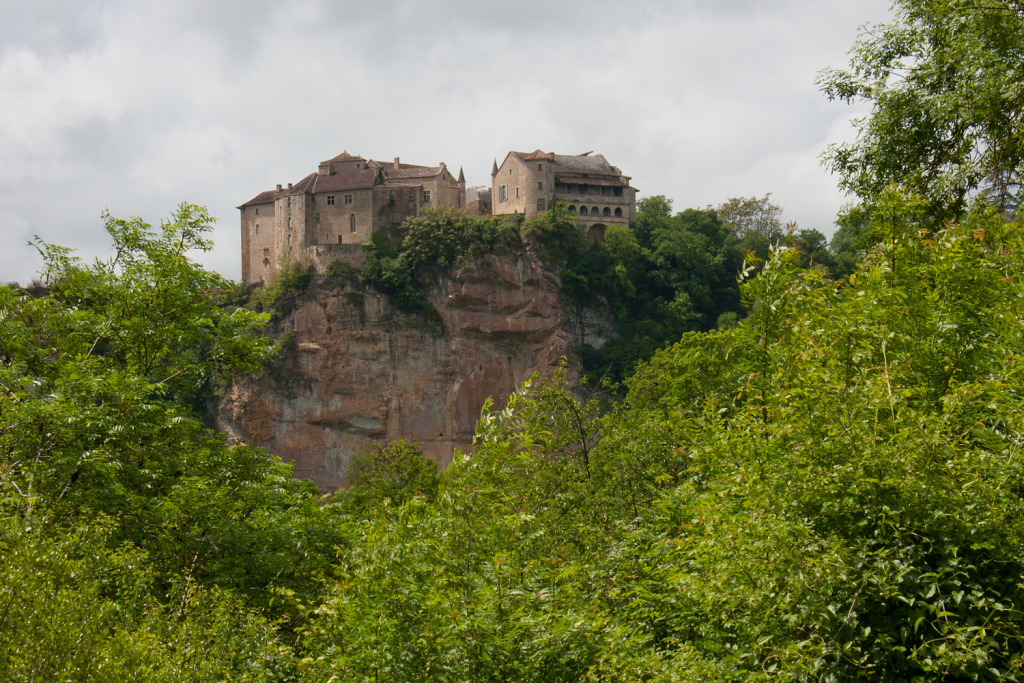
947 89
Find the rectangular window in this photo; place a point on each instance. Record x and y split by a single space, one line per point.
583 189
540 167
289 201
503 193
257 211
257 228
426 196
339 239
517 192
391 196
348 199
266 253
540 205
540 186
289 222
330 200
618 191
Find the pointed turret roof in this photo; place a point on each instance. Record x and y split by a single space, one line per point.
494 169
462 176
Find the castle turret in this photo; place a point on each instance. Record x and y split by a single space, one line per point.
462 189
494 169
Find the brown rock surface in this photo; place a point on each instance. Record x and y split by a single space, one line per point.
365 372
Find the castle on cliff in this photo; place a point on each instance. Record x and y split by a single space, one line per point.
329 214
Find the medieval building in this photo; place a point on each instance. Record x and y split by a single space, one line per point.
329 214
596 192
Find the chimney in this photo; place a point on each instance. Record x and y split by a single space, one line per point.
279 187
396 163
289 186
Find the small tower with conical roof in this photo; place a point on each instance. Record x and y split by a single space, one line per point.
462 189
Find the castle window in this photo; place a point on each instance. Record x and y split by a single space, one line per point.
583 211
426 196
618 191
257 211
352 223
540 167
266 253
540 204
330 200
618 213
595 211
289 201
572 209
584 189
607 211
503 193
391 195
348 199
517 192
540 185
357 165
289 222
257 228
339 239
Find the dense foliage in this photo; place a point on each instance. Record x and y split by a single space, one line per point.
400 260
123 519
829 490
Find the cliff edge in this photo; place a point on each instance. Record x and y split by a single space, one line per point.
360 371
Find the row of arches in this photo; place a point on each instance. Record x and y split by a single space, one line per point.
595 211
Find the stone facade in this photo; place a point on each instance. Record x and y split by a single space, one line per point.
341 204
597 193
349 197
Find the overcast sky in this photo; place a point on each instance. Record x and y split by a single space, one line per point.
136 106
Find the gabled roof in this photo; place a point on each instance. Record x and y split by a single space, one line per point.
344 156
304 185
538 154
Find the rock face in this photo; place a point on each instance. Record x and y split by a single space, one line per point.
364 372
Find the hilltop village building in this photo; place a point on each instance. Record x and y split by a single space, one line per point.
597 193
329 214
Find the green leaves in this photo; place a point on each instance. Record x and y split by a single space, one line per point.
946 87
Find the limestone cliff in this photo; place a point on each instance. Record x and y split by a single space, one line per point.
362 371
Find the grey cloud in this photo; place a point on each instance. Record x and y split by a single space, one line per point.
149 104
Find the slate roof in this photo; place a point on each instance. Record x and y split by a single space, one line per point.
596 164
362 179
413 172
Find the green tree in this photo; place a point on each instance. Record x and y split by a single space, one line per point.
946 89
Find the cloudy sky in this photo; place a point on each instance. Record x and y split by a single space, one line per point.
136 106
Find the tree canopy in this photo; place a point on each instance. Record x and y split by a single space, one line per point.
947 93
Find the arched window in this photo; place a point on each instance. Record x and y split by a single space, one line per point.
595 211
618 213
583 211
607 211
572 209
352 223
